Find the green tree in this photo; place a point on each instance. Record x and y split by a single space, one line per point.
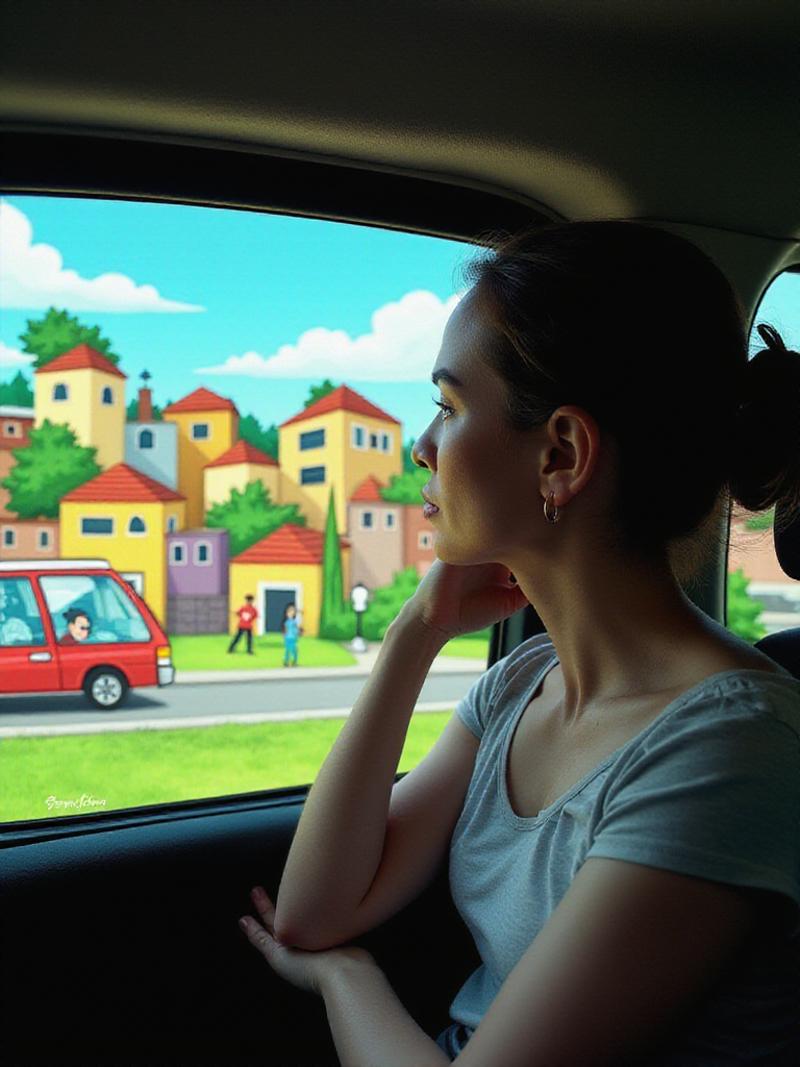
250 515
251 430
57 332
47 469
406 488
318 391
332 605
743 610
17 392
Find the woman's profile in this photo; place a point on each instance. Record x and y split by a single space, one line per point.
618 798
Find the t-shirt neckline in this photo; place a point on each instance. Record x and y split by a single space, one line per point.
528 822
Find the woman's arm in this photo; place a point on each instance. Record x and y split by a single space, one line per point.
369 1024
339 840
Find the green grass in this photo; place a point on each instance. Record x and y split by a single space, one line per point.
208 652
158 766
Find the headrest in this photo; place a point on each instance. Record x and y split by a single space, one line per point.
787 544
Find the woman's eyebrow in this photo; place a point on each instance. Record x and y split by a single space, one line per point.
446 376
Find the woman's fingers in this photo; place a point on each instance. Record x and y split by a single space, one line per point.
264 907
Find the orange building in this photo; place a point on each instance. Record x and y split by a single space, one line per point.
208 426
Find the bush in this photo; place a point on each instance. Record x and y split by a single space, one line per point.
743 610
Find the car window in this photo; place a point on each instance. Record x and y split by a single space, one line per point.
221 406
20 620
91 610
762 599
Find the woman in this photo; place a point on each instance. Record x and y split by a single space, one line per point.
619 798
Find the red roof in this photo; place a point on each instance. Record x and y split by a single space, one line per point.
122 484
290 543
202 400
243 452
79 358
342 399
369 490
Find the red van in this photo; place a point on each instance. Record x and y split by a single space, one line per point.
77 624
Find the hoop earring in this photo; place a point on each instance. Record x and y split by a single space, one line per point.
555 515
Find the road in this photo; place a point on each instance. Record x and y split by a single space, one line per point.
213 703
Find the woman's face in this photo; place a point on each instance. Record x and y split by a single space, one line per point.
482 473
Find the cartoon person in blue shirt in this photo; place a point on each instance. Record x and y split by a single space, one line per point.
291 629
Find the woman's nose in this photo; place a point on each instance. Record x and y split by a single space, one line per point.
422 452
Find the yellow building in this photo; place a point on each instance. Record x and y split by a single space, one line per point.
123 516
235 468
336 442
87 391
208 425
284 568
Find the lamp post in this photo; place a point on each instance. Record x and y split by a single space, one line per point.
359 598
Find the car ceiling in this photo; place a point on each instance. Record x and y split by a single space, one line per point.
681 112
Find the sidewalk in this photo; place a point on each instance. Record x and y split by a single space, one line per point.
363 667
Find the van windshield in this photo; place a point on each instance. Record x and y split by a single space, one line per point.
91 609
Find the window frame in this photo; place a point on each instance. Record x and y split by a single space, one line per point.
97 518
203 437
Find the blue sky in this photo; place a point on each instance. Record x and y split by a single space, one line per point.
256 307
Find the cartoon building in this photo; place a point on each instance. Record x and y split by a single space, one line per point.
197 581
84 389
235 468
417 539
15 428
208 425
284 568
375 532
123 516
338 441
151 446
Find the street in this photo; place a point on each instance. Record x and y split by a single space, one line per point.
212 703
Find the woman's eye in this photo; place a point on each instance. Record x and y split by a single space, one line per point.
445 408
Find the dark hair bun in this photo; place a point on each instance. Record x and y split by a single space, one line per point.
766 467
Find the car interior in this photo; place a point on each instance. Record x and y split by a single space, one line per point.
118 938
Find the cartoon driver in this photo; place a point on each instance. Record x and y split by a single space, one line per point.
79 627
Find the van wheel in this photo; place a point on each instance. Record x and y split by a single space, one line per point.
105 687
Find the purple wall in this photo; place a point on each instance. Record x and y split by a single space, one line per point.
190 577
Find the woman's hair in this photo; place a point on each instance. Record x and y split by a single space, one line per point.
640 328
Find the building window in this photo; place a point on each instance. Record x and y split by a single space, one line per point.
312 439
387 442
312 475
107 395
366 520
43 539
202 554
201 431
358 437
9 537
145 439
91 527
137 526
172 524
388 520
60 392
424 539
11 429
177 554
373 440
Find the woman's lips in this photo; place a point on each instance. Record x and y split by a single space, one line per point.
430 510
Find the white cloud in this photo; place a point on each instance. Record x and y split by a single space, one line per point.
13 358
402 346
33 276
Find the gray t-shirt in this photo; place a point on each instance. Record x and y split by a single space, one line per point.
731 746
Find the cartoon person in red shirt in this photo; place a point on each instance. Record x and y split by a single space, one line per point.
247 616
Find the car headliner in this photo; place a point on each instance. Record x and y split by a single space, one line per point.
684 112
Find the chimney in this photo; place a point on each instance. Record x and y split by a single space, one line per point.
145 405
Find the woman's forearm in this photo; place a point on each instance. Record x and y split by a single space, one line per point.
370 1026
339 840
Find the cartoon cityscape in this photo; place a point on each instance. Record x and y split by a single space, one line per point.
146 509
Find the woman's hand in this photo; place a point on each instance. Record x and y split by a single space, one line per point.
461 599
305 970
